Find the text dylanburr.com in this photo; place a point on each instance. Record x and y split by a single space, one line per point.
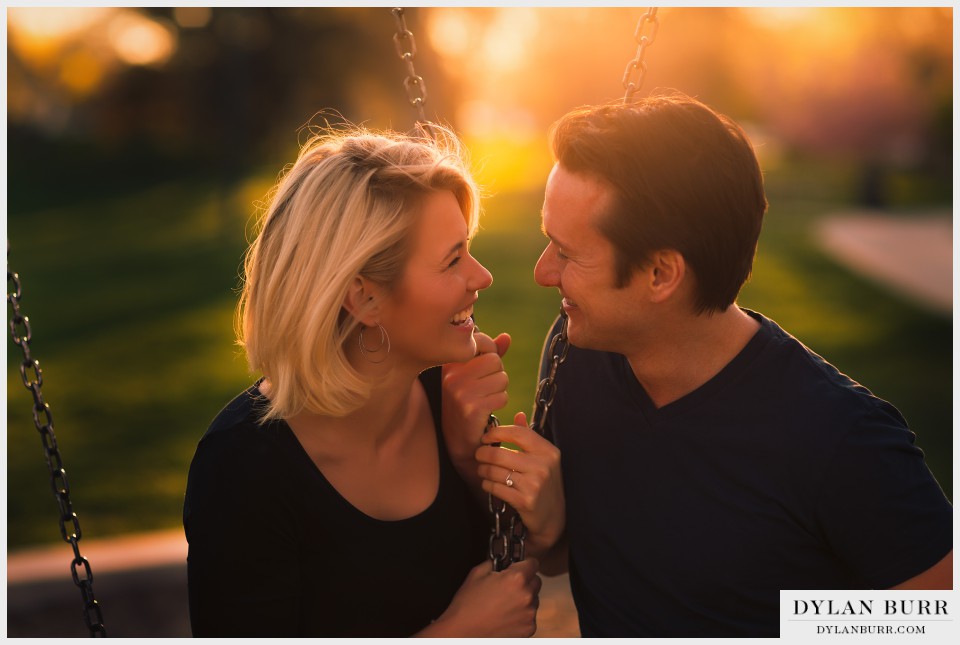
836 615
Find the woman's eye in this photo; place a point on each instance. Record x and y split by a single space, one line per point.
453 261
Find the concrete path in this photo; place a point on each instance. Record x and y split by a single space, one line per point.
140 582
912 256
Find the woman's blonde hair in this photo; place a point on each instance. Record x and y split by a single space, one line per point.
344 209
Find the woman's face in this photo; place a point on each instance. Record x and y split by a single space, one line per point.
429 313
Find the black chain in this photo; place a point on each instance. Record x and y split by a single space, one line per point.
406 47
32 378
637 65
508 533
547 389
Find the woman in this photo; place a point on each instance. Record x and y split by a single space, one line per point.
322 500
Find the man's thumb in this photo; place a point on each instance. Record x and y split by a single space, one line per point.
520 419
503 343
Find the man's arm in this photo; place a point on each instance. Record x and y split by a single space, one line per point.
470 392
939 576
555 562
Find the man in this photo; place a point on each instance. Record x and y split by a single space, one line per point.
709 459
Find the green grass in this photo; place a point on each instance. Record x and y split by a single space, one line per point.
131 302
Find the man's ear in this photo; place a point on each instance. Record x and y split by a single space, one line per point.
665 274
362 301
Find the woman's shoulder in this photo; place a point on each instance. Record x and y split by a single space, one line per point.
237 452
237 433
239 412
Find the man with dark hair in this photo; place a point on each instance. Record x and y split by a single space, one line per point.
709 459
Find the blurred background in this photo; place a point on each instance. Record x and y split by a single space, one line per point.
140 143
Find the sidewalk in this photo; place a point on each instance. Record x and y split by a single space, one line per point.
140 582
912 256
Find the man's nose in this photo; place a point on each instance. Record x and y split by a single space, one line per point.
545 272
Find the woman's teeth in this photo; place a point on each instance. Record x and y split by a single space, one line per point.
462 317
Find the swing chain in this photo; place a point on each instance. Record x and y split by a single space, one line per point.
637 65
507 537
32 377
547 389
406 46
499 549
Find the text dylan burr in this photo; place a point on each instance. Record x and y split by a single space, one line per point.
917 607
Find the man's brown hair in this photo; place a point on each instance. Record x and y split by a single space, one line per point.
683 177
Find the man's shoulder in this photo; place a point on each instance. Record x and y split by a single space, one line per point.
790 371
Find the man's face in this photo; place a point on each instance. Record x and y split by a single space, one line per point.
579 262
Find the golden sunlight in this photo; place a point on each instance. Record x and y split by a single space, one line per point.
81 72
450 31
39 34
506 143
138 40
52 24
782 17
509 37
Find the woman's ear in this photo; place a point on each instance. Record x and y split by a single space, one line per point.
363 301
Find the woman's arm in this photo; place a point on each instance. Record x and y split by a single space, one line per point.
492 604
529 480
241 566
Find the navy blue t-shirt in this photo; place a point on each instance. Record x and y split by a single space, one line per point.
778 473
275 550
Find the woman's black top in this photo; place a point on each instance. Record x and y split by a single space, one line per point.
275 550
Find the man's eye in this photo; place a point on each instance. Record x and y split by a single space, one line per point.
561 255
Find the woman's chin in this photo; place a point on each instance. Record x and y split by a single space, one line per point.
461 356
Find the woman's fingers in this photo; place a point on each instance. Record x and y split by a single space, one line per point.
510 478
519 435
503 457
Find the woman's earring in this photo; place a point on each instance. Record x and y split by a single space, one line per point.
384 345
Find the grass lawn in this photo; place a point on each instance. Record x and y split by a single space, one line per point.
131 302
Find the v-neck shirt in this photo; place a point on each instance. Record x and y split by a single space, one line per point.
276 550
777 473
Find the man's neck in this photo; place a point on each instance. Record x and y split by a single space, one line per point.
689 352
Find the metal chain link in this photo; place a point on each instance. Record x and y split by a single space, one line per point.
406 47
637 65
32 378
547 389
508 534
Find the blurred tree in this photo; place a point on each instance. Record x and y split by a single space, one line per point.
869 86
231 97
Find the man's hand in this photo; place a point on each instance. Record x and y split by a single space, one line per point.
472 390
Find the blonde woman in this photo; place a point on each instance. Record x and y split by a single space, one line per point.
322 500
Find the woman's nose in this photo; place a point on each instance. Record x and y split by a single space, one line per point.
481 278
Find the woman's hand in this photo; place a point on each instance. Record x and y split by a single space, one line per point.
528 480
492 604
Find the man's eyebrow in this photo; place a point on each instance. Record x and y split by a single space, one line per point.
553 239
